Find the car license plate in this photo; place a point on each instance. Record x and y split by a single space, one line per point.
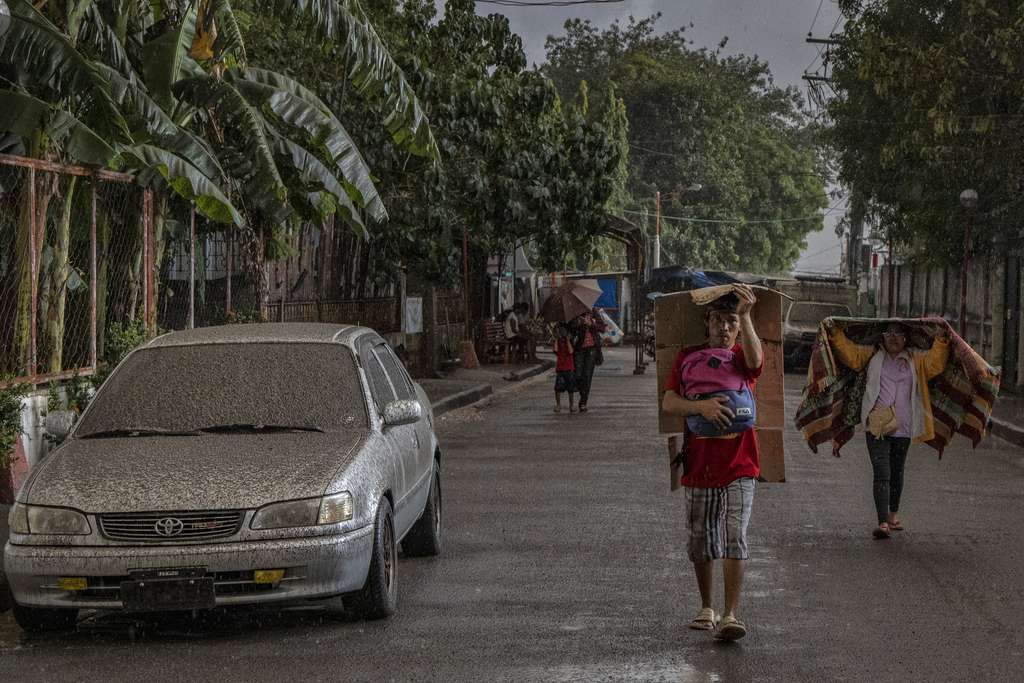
168 589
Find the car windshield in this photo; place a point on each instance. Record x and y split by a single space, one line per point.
813 313
223 388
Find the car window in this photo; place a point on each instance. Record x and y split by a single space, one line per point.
399 378
309 385
380 387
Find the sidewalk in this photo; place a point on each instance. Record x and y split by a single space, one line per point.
1008 419
463 387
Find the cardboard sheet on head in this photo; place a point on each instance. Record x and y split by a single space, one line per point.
679 322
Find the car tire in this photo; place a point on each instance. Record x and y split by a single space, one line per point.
41 620
378 597
426 537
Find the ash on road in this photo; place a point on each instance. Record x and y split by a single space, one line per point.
565 561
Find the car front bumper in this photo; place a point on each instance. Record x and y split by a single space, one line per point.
315 567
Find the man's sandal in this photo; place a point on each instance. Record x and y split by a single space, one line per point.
705 620
730 629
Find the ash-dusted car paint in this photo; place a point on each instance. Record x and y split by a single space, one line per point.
227 471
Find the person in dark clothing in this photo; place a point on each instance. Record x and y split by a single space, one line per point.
586 342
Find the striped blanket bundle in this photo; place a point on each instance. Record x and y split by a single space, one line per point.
961 397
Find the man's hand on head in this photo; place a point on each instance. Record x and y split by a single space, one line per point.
746 297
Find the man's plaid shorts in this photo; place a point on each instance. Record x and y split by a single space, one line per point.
718 520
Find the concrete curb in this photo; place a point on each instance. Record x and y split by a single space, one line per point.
532 371
5 595
1008 432
462 399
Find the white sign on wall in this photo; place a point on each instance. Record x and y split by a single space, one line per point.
412 321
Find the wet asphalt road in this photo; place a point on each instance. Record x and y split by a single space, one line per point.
565 562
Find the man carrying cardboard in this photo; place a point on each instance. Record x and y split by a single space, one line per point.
721 455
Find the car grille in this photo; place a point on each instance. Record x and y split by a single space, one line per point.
170 526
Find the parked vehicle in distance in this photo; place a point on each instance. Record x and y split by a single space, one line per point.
233 465
801 329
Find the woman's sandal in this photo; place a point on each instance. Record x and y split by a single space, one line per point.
882 531
704 621
895 526
730 629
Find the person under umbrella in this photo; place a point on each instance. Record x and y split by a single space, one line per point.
586 341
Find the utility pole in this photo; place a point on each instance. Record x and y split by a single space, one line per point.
656 256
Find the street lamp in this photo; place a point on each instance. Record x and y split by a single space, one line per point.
968 200
656 257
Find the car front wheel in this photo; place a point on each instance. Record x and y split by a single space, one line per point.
39 620
378 597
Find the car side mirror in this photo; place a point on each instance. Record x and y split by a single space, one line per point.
402 412
58 423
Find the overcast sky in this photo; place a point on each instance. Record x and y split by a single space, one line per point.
774 30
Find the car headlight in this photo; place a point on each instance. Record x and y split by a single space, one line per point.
306 512
35 519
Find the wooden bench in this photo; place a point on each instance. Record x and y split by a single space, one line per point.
495 342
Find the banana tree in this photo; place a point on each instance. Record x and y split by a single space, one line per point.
163 88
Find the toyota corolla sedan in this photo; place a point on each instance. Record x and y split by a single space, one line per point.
233 465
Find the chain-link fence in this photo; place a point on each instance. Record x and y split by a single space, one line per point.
72 263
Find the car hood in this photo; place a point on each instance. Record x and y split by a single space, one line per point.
208 472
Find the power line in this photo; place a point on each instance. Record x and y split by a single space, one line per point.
815 19
731 221
547 3
819 253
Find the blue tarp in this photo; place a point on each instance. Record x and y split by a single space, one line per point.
609 292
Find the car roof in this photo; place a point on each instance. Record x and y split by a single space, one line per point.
262 332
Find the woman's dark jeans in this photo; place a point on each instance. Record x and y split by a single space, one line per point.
888 455
584 362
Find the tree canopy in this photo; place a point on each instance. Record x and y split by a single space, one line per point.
929 104
699 117
518 162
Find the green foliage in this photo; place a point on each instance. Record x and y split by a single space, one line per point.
929 105
121 339
244 316
159 89
696 116
516 164
10 419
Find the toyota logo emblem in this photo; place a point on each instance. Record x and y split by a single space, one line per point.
169 526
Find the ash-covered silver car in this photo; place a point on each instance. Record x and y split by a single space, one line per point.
233 465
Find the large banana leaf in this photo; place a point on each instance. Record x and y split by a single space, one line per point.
137 106
300 108
97 33
162 56
183 178
254 160
230 40
45 57
26 115
314 173
372 70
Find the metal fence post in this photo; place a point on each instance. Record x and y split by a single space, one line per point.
192 270
230 245
33 259
93 280
149 261
143 225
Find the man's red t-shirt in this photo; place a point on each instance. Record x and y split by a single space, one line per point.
712 462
